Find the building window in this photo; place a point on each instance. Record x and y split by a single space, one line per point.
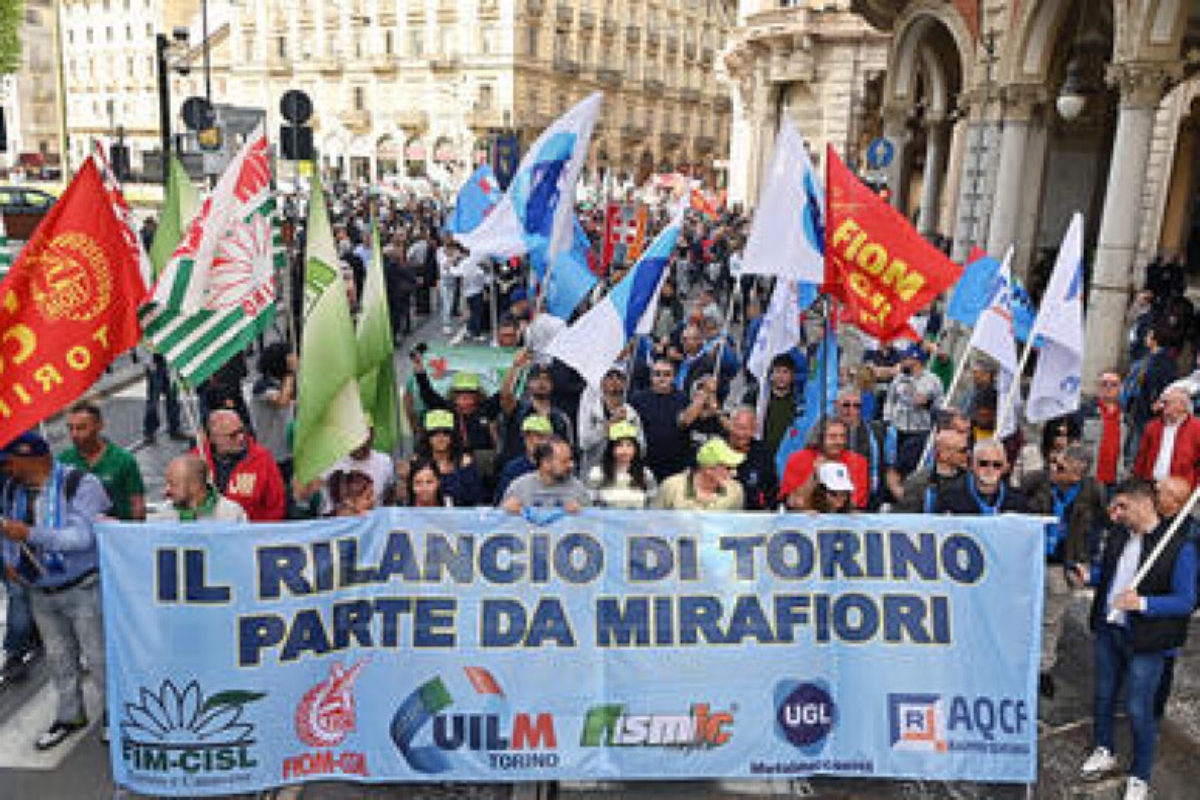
486 95
532 41
360 98
281 46
389 42
416 42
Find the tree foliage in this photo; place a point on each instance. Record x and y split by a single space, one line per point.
12 15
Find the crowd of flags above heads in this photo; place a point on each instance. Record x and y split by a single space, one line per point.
216 264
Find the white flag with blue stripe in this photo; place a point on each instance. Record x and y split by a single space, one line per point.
995 334
787 236
537 210
594 342
1058 332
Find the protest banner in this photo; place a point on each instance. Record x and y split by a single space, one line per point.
471 645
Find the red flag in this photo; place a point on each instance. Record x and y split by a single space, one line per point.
699 202
68 306
879 266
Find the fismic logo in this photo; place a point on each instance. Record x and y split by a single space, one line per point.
610 726
325 716
424 732
958 723
182 732
805 714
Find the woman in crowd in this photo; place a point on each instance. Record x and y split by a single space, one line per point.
830 491
622 479
424 485
459 478
351 492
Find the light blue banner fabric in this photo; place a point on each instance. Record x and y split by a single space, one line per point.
470 645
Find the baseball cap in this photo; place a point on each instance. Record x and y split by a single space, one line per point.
717 452
622 430
835 477
26 445
439 420
465 382
537 423
915 351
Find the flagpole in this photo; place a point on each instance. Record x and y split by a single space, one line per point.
495 300
1184 514
720 351
1014 391
959 371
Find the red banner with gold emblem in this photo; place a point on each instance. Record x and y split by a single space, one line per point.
877 263
68 306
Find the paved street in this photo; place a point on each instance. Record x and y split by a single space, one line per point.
79 769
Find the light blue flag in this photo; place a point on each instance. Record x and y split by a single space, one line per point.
973 293
591 345
570 281
537 210
478 196
823 367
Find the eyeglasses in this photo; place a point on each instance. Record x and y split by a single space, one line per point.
1109 382
991 464
662 373
849 404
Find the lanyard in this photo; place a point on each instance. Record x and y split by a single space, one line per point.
984 508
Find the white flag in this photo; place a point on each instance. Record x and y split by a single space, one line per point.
787 236
1058 331
537 211
994 334
778 333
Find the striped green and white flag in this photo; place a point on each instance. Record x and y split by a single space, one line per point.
219 289
6 256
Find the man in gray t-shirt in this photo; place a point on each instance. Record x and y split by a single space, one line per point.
552 485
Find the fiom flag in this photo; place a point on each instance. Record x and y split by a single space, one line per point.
787 236
476 199
594 341
878 264
123 211
537 211
69 305
329 413
218 291
1058 330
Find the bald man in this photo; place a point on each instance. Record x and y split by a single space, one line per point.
921 488
193 498
242 469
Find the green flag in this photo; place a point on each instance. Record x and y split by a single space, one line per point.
376 361
329 413
6 257
179 207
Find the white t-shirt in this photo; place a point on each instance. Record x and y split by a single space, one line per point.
1166 450
378 465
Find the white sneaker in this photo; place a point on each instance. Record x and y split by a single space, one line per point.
1098 764
1136 789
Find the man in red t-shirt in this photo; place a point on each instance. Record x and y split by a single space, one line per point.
802 465
1104 429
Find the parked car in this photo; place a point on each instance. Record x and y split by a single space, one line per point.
23 209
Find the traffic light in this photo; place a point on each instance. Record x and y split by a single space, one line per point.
118 158
297 141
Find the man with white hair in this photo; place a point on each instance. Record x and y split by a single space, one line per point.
984 490
1170 444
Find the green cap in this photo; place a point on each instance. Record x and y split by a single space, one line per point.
439 420
537 423
465 382
622 430
716 452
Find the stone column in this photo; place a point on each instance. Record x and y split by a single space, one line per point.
1113 266
935 168
1006 203
948 207
895 130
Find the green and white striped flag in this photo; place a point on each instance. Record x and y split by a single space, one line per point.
219 289
329 415
6 256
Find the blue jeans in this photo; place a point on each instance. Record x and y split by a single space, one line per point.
1117 664
20 634
475 321
160 385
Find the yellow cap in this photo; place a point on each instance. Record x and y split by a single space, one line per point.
622 430
537 423
439 420
465 382
716 452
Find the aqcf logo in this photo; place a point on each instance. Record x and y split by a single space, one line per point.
509 739
325 715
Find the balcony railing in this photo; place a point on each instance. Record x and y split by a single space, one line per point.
565 65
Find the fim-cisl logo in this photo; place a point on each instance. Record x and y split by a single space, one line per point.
426 731
174 732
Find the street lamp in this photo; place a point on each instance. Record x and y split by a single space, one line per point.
1071 99
171 54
